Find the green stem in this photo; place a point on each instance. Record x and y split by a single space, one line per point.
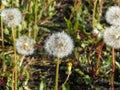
13 73
12 3
35 21
93 16
113 69
100 9
66 79
29 31
15 61
21 60
57 74
2 36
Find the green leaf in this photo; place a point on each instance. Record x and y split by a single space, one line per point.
6 31
79 71
117 64
42 85
64 88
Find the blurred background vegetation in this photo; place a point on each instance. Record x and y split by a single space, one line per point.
91 58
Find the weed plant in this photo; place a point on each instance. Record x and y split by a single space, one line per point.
26 65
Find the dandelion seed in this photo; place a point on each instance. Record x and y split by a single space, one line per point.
11 17
113 15
59 45
112 36
25 45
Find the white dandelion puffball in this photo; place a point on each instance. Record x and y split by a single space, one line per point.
112 36
11 17
25 45
59 44
113 15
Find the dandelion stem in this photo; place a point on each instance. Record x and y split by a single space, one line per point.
29 31
21 60
66 79
93 16
15 61
2 36
2 33
35 22
118 2
12 3
57 74
13 73
113 69
100 9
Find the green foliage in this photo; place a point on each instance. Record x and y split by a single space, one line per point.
40 19
42 85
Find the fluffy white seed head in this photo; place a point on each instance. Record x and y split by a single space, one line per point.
113 15
25 45
112 36
59 44
11 17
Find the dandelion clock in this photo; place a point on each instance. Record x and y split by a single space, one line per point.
113 15
11 17
59 45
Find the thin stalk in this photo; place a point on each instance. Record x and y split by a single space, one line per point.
76 7
2 36
29 31
99 56
13 80
15 61
100 9
93 16
113 69
118 2
2 33
21 60
97 63
12 3
35 22
57 74
66 79
69 68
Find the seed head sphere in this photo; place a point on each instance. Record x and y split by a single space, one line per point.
11 17
113 15
59 44
25 45
112 36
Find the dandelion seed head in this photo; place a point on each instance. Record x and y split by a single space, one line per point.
25 45
11 17
112 36
113 15
59 45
